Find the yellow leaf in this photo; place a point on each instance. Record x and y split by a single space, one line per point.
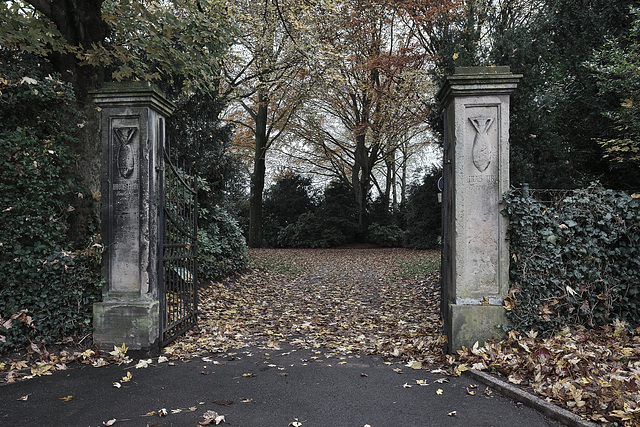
455 56
87 354
66 398
439 391
628 103
127 377
461 368
19 365
508 304
24 398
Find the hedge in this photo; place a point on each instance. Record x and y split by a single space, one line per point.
576 261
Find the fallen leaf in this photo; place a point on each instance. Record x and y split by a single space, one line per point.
126 378
212 417
24 398
406 385
66 398
452 413
110 422
143 363
439 391
414 365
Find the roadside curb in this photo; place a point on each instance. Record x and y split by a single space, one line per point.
549 409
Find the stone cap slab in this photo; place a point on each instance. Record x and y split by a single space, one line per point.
133 94
471 81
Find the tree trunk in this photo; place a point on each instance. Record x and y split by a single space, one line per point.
257 177
359 179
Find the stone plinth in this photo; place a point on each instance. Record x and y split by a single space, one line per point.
475 264
132 127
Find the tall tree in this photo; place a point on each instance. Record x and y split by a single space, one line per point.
617 69
264 73
84 40
370 95
557 110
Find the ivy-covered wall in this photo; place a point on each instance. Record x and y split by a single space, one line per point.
574 261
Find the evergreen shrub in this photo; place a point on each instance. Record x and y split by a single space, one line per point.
222 249
423 215
47 295
46 290
312 231
574 262
389 236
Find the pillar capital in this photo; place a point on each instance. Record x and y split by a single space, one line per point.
478 81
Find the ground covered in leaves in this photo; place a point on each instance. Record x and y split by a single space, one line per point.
376 301
386 302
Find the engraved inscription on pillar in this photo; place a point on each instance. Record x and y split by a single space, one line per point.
125 204
481 151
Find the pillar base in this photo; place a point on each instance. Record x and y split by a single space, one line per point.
471 323
132 323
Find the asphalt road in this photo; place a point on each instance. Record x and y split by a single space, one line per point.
261 387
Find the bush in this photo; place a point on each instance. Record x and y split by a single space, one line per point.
283 204
36 132
576 262
221 246
48 295
46 292
385 235
311 232
424 213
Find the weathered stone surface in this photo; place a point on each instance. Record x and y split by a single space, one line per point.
133 116
475 268
133 323
471 323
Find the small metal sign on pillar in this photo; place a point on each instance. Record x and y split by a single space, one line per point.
133 116
475 258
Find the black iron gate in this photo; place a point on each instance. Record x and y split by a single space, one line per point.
178 272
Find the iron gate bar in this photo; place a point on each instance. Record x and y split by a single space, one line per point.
178 275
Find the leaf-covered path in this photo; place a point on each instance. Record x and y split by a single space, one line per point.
376 301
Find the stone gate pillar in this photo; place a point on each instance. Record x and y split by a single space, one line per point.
132 132
475 260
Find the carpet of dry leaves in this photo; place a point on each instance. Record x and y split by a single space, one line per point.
382 301
386 302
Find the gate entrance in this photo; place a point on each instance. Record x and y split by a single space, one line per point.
178 269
